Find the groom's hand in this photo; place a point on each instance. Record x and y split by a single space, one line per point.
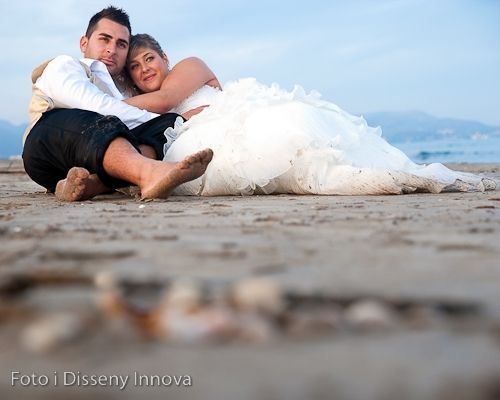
194 111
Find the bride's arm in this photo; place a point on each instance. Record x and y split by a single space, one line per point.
184 79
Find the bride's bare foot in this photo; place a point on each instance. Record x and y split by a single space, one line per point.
79 185
160 181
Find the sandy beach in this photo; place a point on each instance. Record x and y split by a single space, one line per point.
384 297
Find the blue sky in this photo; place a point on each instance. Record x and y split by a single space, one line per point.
442 57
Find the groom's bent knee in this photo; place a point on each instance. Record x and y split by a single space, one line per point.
66 138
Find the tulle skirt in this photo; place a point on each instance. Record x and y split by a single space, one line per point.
267 140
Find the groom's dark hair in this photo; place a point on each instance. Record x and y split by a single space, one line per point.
112 13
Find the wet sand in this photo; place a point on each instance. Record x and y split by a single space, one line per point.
429 262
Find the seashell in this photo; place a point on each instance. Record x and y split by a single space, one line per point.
184 294
258 295
369 314
52 331
106 280
204 324
112 303
109 298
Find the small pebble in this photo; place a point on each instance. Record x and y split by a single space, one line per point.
420 317
255 328
303 323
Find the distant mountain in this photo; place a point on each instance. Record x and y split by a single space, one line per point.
11 137
413 126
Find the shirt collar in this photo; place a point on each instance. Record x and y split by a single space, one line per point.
100 68
94 64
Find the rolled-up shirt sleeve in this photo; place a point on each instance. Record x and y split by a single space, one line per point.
65 81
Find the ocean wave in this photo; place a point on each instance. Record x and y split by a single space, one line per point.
469 150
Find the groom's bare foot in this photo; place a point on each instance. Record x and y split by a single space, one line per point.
79 185
160 181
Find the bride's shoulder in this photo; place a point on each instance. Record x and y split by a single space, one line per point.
193 62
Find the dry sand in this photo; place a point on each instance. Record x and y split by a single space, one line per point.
432 262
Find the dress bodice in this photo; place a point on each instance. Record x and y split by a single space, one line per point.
204 96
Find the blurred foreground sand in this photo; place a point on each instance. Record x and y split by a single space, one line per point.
437 255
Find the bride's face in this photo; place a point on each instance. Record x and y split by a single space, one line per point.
148 69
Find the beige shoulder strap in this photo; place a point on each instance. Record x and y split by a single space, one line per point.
38 71
41 103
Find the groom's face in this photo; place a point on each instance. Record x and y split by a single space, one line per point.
108 43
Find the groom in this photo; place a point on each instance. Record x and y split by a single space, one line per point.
82 139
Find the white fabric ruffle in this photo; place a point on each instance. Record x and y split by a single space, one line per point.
267 140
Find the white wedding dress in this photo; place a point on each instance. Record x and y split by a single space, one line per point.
267 140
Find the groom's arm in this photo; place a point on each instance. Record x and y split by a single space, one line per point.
66 83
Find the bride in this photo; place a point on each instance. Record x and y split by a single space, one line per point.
268 140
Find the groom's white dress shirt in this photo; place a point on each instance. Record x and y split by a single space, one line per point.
65 81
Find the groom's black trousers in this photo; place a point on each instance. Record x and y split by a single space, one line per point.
66 138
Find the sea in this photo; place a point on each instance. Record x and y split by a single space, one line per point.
476 149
